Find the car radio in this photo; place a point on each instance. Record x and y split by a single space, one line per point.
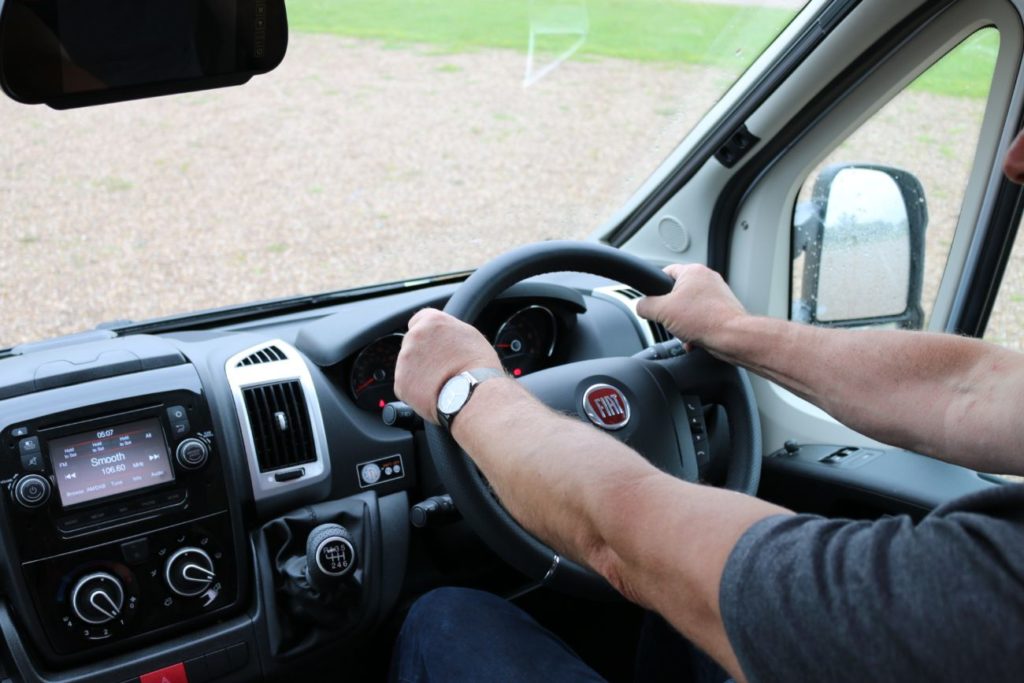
119 517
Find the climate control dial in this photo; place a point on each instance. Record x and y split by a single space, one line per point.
98 598
189 572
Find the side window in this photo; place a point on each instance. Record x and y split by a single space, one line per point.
875 221
1006 324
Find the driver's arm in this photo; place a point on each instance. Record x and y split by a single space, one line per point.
583 492
950 397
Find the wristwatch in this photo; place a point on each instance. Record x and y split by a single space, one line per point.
456 392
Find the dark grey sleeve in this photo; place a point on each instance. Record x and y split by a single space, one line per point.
810 599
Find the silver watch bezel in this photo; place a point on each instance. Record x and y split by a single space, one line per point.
446 417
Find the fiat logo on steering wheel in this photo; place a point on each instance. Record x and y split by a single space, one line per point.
606 406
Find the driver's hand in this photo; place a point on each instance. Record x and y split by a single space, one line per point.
436 348
697 309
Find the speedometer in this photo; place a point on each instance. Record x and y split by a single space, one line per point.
372 379
526 340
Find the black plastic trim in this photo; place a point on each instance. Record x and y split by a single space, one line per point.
204 320
983 287
828 18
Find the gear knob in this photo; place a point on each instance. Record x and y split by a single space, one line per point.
330 556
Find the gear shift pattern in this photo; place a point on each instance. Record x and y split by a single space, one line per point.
330 557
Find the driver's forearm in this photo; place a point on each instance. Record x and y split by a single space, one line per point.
661 541
938 394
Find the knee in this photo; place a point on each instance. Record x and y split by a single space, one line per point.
443 611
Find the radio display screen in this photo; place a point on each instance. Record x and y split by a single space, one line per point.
110 461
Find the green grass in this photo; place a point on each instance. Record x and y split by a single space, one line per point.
966 71
643 30
669 31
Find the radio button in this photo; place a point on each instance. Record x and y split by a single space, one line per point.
178 417
96 516
192 453
32 490
29 445
32 462
173 497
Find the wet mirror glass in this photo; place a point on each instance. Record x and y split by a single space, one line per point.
865 248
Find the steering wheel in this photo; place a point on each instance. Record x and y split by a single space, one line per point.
657 425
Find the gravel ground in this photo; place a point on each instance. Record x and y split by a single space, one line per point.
352 164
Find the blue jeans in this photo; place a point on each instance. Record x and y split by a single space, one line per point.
457 634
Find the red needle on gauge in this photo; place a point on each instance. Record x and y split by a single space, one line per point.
359 389
503 346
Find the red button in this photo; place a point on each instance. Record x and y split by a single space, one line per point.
170 674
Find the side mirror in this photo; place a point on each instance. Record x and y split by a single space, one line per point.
862 237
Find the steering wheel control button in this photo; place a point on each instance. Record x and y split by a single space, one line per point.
433 512
189 572
192 453
178 417
399 414
32 490
97 598
380 471
606 406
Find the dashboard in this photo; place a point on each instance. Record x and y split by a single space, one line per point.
224 503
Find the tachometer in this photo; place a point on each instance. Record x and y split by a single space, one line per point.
526 340
372 379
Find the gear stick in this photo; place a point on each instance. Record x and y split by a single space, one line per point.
330 557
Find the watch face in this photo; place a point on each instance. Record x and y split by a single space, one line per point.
453 395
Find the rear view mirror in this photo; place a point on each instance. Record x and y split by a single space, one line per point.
72 53
862 236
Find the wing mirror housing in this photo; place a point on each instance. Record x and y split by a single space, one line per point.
862 239
74 53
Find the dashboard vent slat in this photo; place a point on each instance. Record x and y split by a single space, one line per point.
653 333
281 430
269 354
658 331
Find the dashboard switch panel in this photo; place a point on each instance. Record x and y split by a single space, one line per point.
380 471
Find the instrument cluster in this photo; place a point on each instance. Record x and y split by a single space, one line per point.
526 337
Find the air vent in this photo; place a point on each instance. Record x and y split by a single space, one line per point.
652 332
630 293
281 432
269 354
658 331
280 419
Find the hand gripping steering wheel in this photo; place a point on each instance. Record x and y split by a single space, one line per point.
658 423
